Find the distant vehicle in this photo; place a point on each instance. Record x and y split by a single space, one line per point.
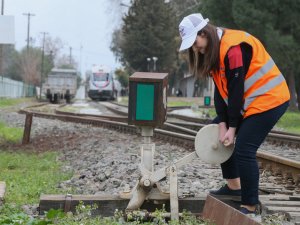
101 84
60 84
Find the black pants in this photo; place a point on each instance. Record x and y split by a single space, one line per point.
251 133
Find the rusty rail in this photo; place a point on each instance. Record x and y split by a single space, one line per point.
278 137
286 167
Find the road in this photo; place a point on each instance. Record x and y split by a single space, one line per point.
80 94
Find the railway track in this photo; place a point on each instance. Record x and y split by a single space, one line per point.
286 170
183 124
179 122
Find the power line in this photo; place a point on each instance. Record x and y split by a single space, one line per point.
28 26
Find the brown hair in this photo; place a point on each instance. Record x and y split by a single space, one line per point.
202 64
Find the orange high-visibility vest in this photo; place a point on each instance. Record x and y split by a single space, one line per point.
264 86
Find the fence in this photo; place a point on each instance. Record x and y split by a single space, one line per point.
15 89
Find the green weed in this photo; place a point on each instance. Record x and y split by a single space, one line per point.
6 102
28 175
290 122
10 134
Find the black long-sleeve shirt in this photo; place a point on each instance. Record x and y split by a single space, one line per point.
237 61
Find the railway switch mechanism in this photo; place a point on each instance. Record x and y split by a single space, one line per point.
147 109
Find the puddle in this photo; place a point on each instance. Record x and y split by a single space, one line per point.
186 112
80 104
90 111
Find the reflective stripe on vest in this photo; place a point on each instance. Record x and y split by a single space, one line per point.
264 89
251 80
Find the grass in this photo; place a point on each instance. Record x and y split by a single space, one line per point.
71 109
123 100
28 175
6 102
290 122
76 109
179 103
10 134
83 216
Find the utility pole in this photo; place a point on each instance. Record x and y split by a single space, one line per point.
70 57
42 66
80 60
1 45
2 8
28 27
1 60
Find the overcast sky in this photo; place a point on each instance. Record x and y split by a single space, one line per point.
86 23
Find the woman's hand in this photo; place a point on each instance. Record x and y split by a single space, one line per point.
228 138
222 131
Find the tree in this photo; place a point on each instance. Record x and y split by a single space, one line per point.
25 65
12 66
30 63
116 43
123 77
184 8
273 22
275 26
51 51
64 62
149 30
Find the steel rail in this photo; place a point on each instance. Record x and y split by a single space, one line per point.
286 167
273 137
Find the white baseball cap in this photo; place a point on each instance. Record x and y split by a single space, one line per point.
188 29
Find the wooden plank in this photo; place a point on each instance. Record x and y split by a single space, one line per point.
274 190
274 197
107 204
2 191
281 203
222 214
295 198
276 209
293 216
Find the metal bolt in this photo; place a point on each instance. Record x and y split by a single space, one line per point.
215 146
147 183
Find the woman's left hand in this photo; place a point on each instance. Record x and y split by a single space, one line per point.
228 139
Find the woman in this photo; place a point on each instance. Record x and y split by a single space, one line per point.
250 96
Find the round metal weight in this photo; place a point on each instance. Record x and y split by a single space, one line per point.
208 147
